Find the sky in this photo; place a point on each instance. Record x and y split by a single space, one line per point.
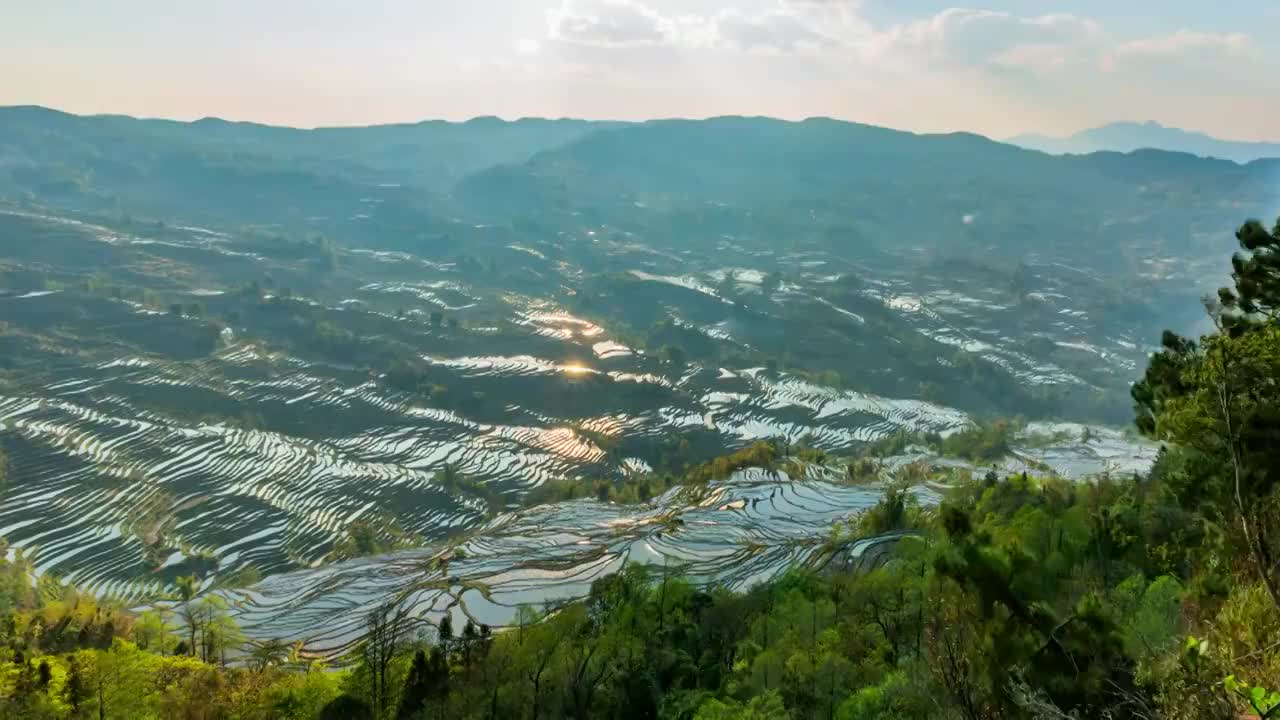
998 67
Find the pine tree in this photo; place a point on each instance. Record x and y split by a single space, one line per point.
469 638
417 687
445 632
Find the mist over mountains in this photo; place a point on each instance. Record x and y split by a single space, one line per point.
1130 136
855 183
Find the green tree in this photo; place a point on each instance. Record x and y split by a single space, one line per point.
1255 296
151 630
116 682
188 586
539 649
346 707
267 654
427 683
675 356
765 706
1220 397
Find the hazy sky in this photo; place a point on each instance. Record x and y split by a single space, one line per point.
999 68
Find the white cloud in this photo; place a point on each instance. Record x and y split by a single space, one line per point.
953 40
528 46
1188 41
788 26
986 37
794 25
610 23
776 30
958 38
1054 71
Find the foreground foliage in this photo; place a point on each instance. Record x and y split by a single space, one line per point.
1023 597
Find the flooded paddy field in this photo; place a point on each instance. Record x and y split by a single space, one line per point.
183 400
743 531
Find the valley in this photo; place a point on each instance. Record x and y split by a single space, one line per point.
229 400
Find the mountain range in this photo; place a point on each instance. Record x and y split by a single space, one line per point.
856 184
1130 136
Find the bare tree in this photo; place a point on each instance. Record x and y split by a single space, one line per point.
539 645
950 661
386 626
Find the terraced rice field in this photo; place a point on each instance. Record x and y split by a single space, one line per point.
187 425
743 531
91 454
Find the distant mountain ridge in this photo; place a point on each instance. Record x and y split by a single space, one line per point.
863 181
753 179
1130 136
432 154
